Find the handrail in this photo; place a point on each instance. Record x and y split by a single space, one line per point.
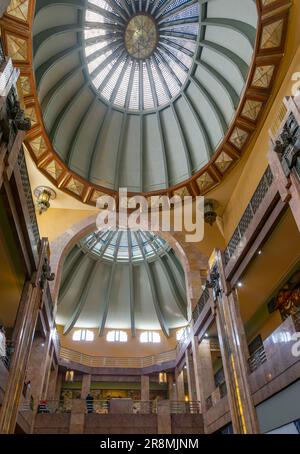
67 354
255 202
33 227
204 298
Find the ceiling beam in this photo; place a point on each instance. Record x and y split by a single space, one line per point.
175 289
80 303
98 139
206 136
70 276
110 283
213 103
229 55
156 302
131 285
234 97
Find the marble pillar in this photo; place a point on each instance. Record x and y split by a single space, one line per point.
77 416
37 367
172 391
23 334
234 353
180 386
86 385
164 421
190 376
206 366
53 377
145 388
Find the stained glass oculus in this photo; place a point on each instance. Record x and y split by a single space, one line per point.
139 54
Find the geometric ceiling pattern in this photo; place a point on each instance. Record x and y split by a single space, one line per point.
122 279
176 148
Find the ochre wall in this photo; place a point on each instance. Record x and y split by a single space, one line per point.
132 348
56 221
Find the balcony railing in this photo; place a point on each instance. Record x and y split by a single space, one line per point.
184 339
68 355
179 407
287 146
259 195
204 298
33 229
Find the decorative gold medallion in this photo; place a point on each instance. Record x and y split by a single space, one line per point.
140 36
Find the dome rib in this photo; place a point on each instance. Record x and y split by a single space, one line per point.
192 82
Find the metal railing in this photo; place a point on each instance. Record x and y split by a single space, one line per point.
182 407
257 359
257 198
184 338
107 361
204 298
33 229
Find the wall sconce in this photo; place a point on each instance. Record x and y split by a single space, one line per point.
162 378
210 213
43 196
69 376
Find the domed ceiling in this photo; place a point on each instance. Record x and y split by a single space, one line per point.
140 94
122 279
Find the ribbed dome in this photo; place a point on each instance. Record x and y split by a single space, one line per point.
140 58
140 94
122 279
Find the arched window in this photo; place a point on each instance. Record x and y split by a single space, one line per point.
116 336
150 337
84 335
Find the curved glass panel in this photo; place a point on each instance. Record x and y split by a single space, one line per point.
139 54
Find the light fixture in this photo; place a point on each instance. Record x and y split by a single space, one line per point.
259 252
210 213
162 378
205 335
240 284
69 376
43 196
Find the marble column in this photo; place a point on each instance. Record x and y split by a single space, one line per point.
145 388
164 420
77 416
180 386
85 385
172 391
37 367
53 377
190 375
207 373
234 353
23 334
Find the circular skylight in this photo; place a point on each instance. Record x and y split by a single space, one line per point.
140 36
124 245
139 53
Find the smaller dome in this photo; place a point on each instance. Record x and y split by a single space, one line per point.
122 279
124 245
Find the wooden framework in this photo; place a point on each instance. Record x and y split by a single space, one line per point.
16 31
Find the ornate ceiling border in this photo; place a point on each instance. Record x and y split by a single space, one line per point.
16 32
